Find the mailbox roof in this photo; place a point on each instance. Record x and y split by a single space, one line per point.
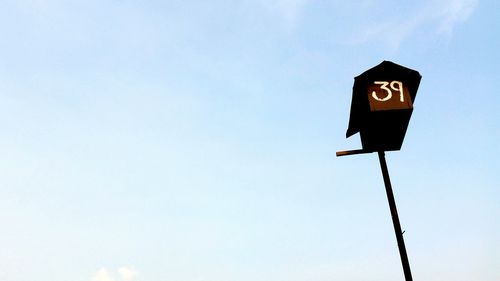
385 71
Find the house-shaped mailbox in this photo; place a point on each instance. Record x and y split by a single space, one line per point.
382 104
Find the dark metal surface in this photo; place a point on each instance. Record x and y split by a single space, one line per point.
378 114
395 217
386 70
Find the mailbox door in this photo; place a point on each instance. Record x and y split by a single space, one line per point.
385 130
390 112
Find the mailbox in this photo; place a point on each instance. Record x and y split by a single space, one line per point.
382 104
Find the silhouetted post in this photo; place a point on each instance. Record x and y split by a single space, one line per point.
395 218
381 107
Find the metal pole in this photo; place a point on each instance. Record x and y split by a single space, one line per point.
395 218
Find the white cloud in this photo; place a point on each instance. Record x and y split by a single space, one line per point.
441 16
102 275
127 274
289 10
389 33
124 273
455 11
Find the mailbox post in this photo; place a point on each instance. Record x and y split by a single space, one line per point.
381 107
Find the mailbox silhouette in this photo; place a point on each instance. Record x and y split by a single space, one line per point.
382 104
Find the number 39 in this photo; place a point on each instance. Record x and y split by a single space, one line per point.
395 85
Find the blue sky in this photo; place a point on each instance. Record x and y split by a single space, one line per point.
195 141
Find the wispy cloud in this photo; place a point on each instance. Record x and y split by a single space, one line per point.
441 16
102 275
289 11
124 274
454 12
127 274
